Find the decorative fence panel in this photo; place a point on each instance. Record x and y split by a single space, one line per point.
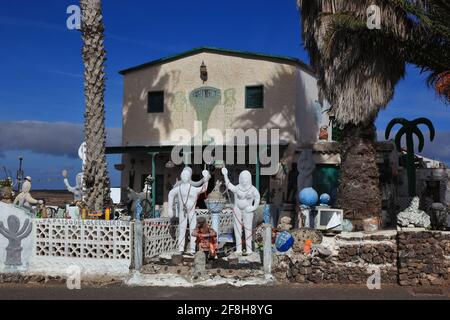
160 236
83 239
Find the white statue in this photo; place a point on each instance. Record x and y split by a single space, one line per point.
82 154
77 190
24 198
187 195
246 201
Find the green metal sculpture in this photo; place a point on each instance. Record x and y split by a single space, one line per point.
410 128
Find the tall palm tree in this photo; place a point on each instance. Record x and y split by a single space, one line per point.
426 42
94 55
357 73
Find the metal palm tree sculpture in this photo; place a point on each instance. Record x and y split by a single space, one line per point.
94 55
409 129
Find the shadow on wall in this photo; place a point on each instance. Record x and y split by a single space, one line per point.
289 105
152 123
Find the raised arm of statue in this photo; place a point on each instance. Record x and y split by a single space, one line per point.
205 180
69 187
228 184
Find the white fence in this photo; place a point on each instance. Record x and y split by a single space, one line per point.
83 239
111 240
160 236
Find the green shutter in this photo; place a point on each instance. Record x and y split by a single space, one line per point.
254 97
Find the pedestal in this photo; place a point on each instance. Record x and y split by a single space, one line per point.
215 221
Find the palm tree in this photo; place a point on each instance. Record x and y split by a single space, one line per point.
357 73
426 41
410 128
94 55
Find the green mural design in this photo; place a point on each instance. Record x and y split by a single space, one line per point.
179 108
204 100
229 105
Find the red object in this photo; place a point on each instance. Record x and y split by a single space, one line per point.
307 247
206 239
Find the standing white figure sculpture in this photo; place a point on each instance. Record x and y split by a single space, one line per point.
187 196
246 201
77 190
24 198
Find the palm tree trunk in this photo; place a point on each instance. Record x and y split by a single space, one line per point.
359 189
94 56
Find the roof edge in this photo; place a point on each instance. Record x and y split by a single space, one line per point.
188 53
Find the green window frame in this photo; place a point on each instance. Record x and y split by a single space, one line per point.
254 97
155 102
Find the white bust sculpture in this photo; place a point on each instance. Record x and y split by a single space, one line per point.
77 190
187 195
24 198
246 201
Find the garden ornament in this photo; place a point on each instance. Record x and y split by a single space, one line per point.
24 198
15 237
246 201
187 198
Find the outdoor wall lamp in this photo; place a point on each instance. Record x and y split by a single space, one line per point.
203 72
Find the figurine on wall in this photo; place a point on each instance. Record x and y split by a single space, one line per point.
323 134
246 201
24 198
187 195
141 199
77 190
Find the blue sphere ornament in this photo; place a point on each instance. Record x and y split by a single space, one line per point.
308 197
325 199
284 241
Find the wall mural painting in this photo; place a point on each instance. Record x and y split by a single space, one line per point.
179 108
229 106
204 100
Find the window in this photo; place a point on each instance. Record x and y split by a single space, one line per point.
155 103
254 97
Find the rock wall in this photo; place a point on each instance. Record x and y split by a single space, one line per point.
423 258
407 258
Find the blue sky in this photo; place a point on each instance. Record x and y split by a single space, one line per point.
41 81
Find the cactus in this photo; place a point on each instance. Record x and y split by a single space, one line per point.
15 237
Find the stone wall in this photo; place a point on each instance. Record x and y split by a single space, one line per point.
423 257
356 256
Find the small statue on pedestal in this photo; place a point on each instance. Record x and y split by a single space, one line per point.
142 199
246 201
24 198
77 190
187 196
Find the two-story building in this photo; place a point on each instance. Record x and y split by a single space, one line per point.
223 89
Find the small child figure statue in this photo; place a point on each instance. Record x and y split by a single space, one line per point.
206 238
